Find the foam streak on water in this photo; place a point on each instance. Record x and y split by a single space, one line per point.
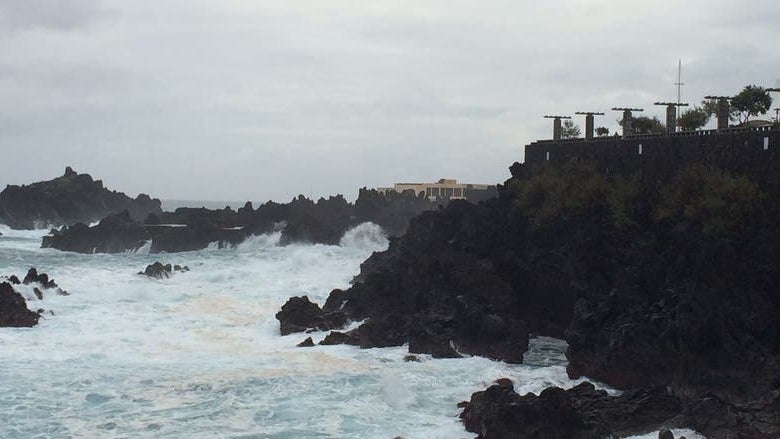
199 355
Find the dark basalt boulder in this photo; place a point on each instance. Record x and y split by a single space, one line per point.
299 314
719 419
306 343
580 413
159 271
69 199
13 309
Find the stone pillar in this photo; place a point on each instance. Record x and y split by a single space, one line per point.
671 118
557 128
724 108
627 123
588 126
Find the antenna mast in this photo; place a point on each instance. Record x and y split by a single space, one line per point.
679 85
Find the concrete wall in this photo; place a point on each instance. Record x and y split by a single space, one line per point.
754 152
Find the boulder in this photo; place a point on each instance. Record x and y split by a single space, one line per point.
306 343
13 308
300 314
159 271
581 412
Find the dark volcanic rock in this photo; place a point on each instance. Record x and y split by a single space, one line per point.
300 314
42 279
436 296
581 412
336 337
69 199
159 271
189 229
13 308
114 234
654 281
306 343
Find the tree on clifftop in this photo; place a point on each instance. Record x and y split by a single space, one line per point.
647 125
693 119
751 101
570 130
602 131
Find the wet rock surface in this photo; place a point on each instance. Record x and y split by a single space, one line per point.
13 309
159 271
299 314
581 412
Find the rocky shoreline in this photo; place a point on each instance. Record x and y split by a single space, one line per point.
653 283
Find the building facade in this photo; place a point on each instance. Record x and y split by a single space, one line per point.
444 189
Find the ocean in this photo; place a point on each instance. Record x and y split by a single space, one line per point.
199 355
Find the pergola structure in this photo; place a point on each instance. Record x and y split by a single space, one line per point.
724 109
628 118
557 128
589 122
671 114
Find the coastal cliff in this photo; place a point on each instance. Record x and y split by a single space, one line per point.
655 276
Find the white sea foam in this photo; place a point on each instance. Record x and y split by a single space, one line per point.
200 355
366 236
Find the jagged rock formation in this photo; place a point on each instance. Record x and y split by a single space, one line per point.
578 413
42 280
13 306
300 314
188 229
160 271
69 199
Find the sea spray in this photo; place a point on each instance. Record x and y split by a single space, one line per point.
365 236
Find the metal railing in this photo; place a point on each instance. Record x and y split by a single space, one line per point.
699 133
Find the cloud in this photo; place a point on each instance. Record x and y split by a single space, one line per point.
60 15
258 100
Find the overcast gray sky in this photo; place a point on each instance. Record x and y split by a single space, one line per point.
259 100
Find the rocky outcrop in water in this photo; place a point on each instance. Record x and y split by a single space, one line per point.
159 271
43 281
578 413
69 199
300 314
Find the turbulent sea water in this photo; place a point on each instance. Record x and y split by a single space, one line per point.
199 355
